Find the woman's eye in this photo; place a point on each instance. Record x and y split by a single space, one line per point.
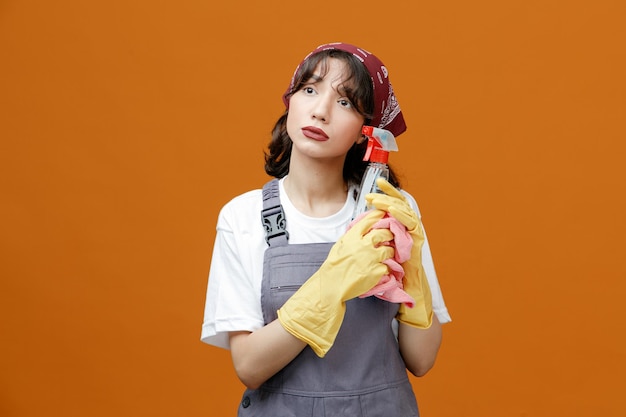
345 103
308 90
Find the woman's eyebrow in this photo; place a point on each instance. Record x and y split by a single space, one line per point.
315 78
343 89
346 89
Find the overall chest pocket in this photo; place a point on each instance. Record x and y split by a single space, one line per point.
285 269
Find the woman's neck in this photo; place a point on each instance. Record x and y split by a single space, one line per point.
319 193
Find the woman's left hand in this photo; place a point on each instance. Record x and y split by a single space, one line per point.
415 282
394 203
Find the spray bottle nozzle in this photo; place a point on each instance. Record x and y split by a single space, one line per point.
380 140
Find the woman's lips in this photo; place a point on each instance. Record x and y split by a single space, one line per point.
314 133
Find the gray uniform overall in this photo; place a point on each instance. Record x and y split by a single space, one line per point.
363 374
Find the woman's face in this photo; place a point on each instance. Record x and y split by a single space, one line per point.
322 122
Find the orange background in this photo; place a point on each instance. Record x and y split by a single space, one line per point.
126 125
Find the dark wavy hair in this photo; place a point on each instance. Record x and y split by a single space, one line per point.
361 95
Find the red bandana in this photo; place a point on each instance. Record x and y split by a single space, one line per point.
387 113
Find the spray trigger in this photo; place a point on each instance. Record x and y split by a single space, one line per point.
378 138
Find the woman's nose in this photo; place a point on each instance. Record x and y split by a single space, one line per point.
321 110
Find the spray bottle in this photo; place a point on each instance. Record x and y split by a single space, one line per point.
379 143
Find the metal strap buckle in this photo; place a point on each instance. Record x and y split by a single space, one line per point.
274 222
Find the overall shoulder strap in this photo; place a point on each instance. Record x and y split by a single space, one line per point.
273 216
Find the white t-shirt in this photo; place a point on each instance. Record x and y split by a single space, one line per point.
233 301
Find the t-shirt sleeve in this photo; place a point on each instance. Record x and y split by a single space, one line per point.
233 296
439 306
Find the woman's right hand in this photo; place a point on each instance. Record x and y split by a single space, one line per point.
354 265
355 260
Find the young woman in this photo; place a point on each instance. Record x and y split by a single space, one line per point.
288 267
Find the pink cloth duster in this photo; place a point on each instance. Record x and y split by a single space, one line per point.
390 287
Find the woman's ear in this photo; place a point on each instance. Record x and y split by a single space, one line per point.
361 139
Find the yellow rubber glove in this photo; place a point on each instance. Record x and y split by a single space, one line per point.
415 281
354 265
